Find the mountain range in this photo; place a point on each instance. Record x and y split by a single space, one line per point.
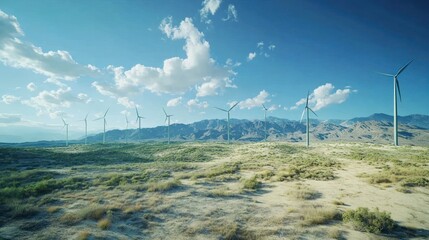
377 128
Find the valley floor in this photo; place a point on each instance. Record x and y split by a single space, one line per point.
267 190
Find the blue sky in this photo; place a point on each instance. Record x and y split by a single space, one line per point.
70 58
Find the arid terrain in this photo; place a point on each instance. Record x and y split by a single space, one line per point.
266 190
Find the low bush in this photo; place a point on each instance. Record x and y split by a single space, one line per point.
251 183
374 222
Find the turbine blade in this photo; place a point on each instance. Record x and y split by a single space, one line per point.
106 112
233 106
221 109
63 121
164 111
403 68
302 115
86 116
137 112
399 90
313 112
264 107
385 74
308 94
98 118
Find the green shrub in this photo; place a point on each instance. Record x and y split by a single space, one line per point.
374 222
251 183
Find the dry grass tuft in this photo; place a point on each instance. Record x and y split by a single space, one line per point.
104 223
335 233
53 209
163 186
83 235
304 193
132 209
316 215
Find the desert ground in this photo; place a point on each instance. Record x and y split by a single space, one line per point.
266 190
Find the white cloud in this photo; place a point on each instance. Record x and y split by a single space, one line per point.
251 56
177 75
8 99
31 87
260 45
53 102
197 104
126 102
232 14
209 6
324 96
257 101
9 118
84 97
174 102
271 47
18 54
274 107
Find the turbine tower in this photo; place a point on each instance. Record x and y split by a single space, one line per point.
227 111
167 117
86 128
265 116
396 90
307 109
104 125
139 118
66 125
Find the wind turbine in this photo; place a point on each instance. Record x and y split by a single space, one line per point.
265 115
67 131
139 118
307 109
86 128
167 117
227 111
126 129
105 122
395 104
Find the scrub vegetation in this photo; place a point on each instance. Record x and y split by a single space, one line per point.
269 190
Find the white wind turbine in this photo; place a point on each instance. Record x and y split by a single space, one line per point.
139 118
395 104
104 125
227 111
86 128
66 125
167 117
307 109
126 129
265 116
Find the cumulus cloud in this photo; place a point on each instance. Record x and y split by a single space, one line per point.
8 99
195 103
18 54
324 96
232 14
251 56
271 47
257 101
31 87
126 102
209 6
177 75
53 102
174 102
9 118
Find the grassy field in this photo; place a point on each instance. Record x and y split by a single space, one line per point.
269 190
